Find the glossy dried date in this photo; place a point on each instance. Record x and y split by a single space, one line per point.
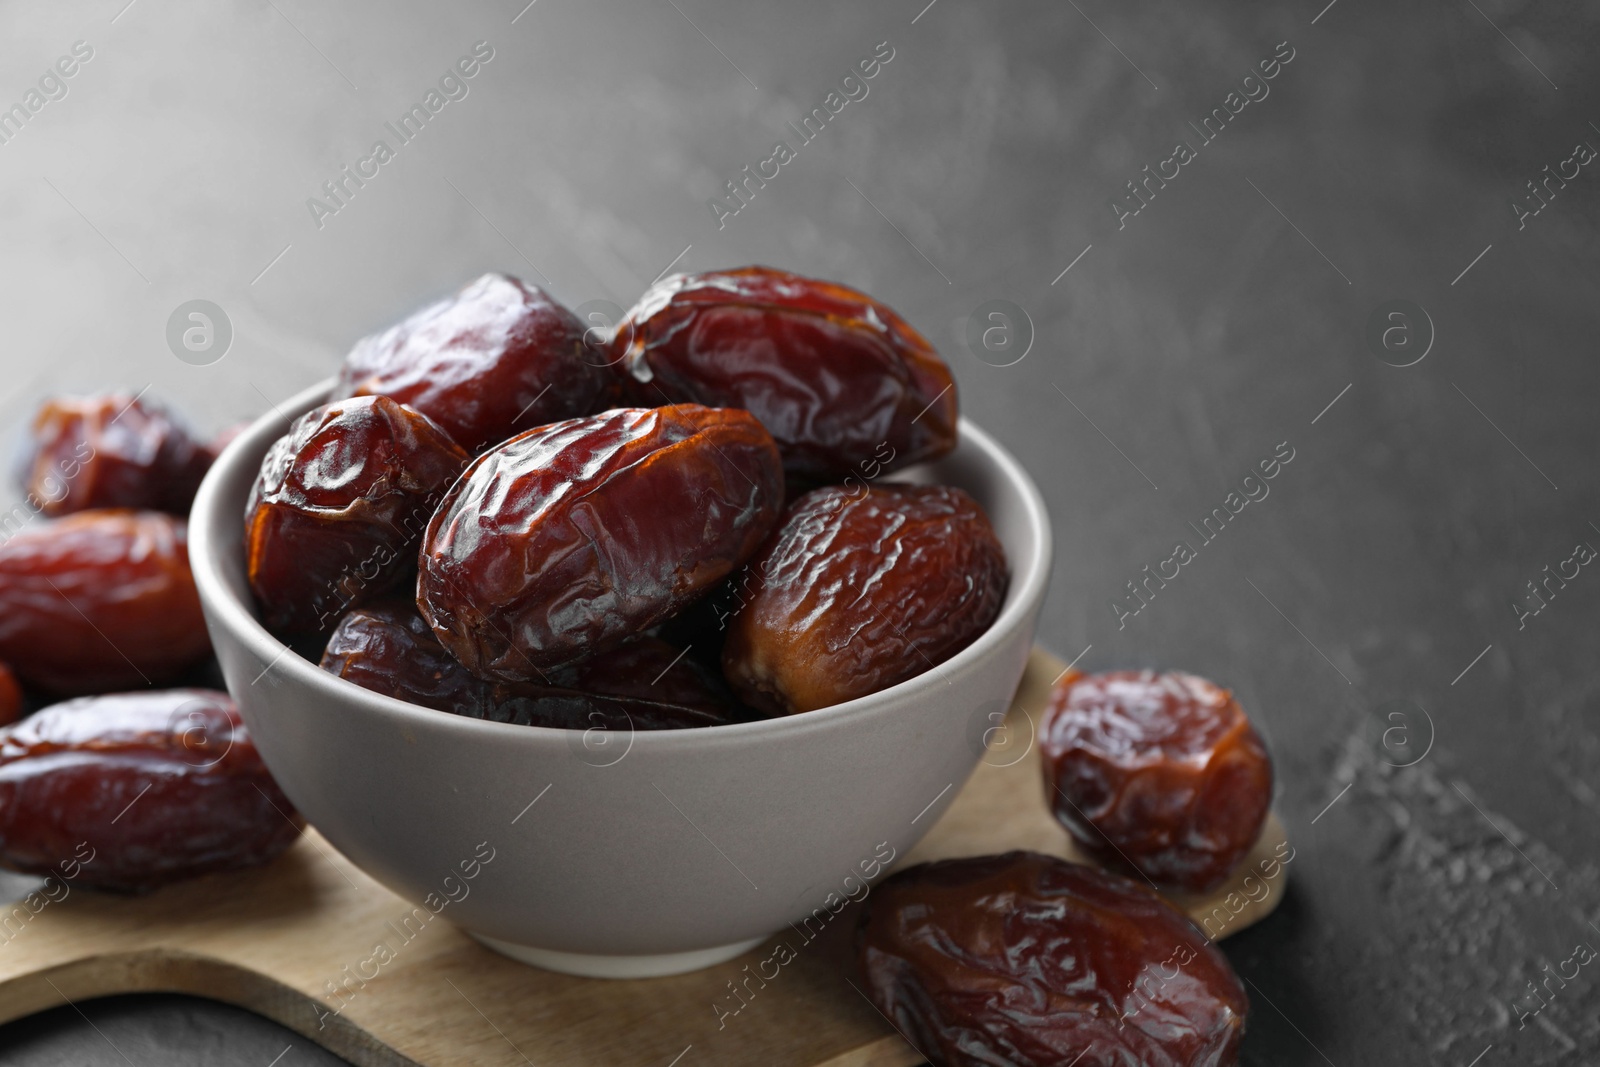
645 684
840 380
497 358
390 649
1159 770
337 512
568 539
859 590
1031 961
100 600
157 785
115 450
649 670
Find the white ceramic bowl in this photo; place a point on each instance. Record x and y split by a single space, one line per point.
654 853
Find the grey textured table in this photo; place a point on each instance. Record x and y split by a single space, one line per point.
1436 744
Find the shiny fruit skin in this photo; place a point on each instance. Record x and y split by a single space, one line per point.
838 378
859 590
100 600
336 514
113 450
390 649
495 359
644 684
568 539
151 787
1030 961
1160 771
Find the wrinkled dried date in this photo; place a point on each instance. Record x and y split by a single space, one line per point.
390 649
337 512
1030 961
100 600
839 379
648 671
1159 770
859 590
115 450
157 785
497 358
645 684
568 539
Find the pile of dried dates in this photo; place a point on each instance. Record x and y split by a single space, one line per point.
681 524
128 786
502 514
678 523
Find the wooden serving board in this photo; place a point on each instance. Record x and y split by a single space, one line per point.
279 939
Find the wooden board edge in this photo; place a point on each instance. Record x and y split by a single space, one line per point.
891 1050
196 970
159 970
1236 905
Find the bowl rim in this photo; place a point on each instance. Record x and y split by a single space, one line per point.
1029 580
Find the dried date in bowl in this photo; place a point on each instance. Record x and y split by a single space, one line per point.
844 384
496 358
390 649
568 539
114 450
133 790
645 684
100 600
859 590
399 786
1162 771
337 511
1030 961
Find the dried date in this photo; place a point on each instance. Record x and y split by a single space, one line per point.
570 538
840 380
1162 771
649 670
860 590
100 600
496 358
157 785
337 512
645 684
390 649
1031 961
115 450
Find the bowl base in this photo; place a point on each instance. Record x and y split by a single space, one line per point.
598 966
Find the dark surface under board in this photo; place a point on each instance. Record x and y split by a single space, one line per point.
1437 754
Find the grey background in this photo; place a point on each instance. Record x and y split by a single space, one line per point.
1220 321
